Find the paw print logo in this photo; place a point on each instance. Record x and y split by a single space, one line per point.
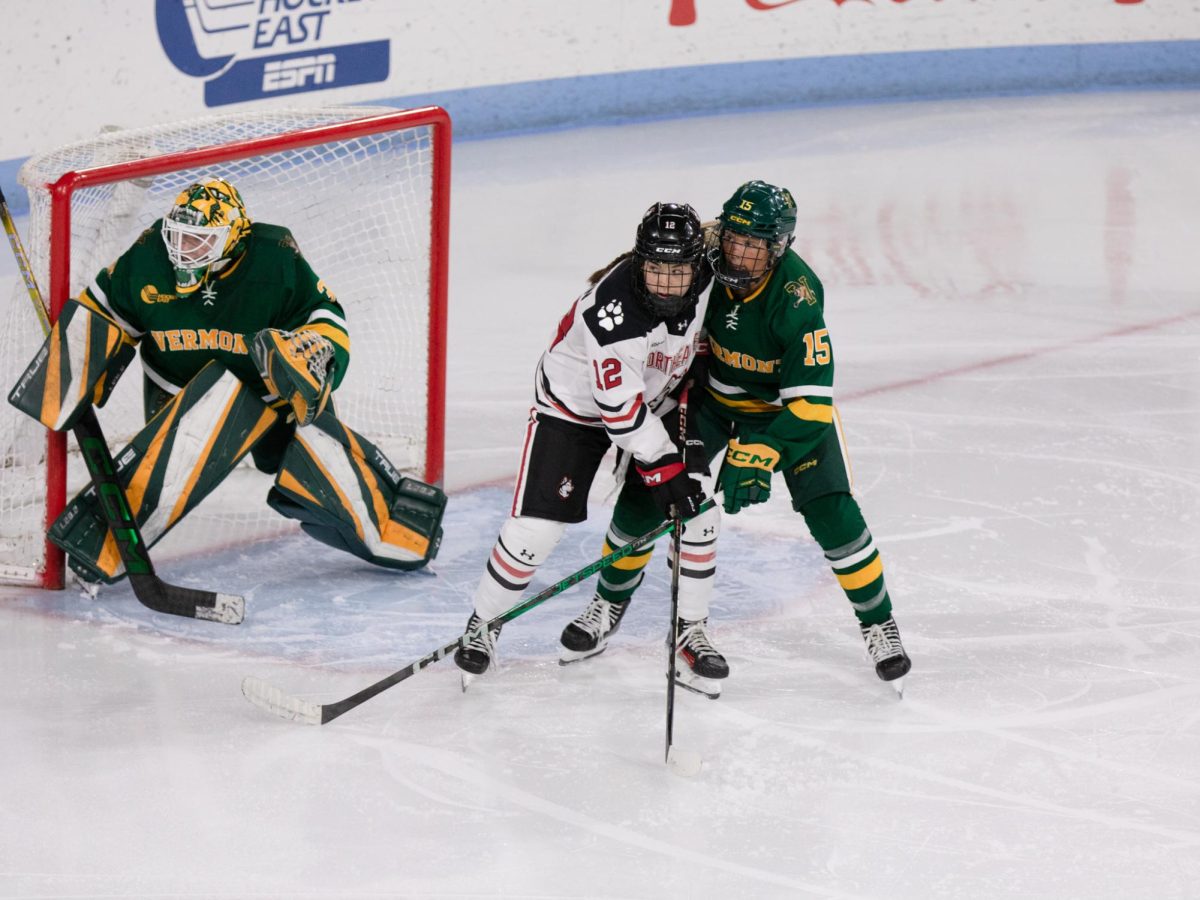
611 316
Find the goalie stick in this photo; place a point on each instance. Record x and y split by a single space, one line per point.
271 699
150 590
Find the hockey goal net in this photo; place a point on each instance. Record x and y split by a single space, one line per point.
365 191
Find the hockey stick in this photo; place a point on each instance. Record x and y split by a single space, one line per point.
270 698
684 762
150 590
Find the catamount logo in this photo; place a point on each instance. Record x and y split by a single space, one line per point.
253 49
801 291
151 294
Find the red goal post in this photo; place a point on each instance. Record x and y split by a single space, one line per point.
366 192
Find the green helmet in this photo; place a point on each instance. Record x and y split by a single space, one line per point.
760 210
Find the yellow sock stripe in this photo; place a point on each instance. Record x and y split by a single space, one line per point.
811 412
389 531
631 563
135 492
864 576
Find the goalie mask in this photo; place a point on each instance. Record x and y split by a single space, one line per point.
207 227
669 257
756 226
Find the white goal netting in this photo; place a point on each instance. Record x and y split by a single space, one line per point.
362 208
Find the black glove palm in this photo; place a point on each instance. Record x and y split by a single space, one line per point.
670 487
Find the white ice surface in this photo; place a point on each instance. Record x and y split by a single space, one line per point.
1012 292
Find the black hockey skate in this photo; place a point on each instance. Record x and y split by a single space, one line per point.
887 653
701 667
475 656
588 634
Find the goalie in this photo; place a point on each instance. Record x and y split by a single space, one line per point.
242 349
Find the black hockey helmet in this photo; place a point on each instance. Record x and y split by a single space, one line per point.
759 210
669 238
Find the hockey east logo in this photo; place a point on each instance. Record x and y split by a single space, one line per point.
253 49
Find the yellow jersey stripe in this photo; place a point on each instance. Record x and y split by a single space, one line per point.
811 412
327 330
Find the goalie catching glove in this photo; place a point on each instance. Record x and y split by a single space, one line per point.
297 366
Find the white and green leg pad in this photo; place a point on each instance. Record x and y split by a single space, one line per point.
347 494
172 464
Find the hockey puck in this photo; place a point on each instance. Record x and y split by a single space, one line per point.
683 762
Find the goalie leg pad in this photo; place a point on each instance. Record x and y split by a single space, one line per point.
346 493
76 367
172 464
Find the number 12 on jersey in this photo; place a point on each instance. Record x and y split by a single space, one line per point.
608 373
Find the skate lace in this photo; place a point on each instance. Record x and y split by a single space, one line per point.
484 641
596 619
694 638
883 641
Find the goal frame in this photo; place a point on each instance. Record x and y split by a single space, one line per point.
62 191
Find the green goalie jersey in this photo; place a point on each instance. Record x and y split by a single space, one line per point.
270 285
771 369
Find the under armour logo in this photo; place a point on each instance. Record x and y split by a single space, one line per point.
526 554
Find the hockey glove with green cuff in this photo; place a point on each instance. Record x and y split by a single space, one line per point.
746 474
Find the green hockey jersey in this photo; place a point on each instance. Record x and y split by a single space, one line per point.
270 285
771 368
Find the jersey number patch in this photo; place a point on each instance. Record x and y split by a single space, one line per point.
608 373
816 347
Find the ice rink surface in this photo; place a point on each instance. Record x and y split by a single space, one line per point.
1011 288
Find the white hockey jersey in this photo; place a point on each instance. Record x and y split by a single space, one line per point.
613 365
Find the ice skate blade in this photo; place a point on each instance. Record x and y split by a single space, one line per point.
898 686
467 680
566 657
706 687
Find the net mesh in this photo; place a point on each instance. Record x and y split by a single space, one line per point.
360 209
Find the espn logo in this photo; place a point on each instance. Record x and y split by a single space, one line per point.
289 74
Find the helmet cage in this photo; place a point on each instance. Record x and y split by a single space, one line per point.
670 234
192 246
207 224
738 278
760 210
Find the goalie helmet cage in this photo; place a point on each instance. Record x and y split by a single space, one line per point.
366 193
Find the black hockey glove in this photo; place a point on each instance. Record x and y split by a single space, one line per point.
670 486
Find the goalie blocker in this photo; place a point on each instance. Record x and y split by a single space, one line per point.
341 488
